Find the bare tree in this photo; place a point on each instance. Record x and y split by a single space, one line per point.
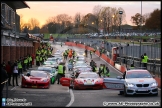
51 19
34 23
146 16
97 11
63 20
22 26
77 19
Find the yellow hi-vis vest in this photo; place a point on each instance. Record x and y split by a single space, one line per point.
30 58
26 61
19 65
145 59
40 59
37 58
105 72
60 69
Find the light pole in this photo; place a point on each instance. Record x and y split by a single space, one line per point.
132 50
92 26
120 18
141 33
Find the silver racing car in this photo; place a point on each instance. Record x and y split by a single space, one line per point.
136 81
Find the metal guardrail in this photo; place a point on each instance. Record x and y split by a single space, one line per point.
152 67
6 83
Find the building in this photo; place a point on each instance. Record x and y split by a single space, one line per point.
14 44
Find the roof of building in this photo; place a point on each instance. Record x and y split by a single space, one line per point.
17 4
28 36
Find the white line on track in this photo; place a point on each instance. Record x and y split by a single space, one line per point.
72 98
16 86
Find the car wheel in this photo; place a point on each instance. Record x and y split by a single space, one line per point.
155 94
125 93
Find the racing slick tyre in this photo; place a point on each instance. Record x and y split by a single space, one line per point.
125 93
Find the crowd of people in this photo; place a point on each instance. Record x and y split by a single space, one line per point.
14 69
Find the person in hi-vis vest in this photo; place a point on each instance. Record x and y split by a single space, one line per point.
145 60
61 72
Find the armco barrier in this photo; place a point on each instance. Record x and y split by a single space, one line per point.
108 60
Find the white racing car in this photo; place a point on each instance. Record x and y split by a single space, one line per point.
136 81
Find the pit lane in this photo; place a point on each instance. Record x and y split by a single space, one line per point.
97 97
58 95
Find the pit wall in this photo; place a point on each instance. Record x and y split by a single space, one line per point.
119 67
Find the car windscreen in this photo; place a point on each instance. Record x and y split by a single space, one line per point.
52 62
138 74
84 69
88 76
45 69
81 64
38 74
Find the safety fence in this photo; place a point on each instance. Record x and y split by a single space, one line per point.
120 67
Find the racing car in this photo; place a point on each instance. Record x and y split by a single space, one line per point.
36 79
52 71
135 81
85 80
53 63
77 71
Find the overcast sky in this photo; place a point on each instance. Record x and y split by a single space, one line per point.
43 10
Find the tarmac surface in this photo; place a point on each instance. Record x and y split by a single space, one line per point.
61 96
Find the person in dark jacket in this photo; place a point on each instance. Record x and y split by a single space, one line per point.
4 77
86 51
8 68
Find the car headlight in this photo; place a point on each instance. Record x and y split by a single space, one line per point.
130 85
154 84
45 80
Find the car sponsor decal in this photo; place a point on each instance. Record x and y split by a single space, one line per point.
141 80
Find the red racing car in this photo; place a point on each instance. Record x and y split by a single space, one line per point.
85 80
36 79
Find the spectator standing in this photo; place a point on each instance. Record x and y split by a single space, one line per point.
9 72
15 74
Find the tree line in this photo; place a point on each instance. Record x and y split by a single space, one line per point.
106 18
